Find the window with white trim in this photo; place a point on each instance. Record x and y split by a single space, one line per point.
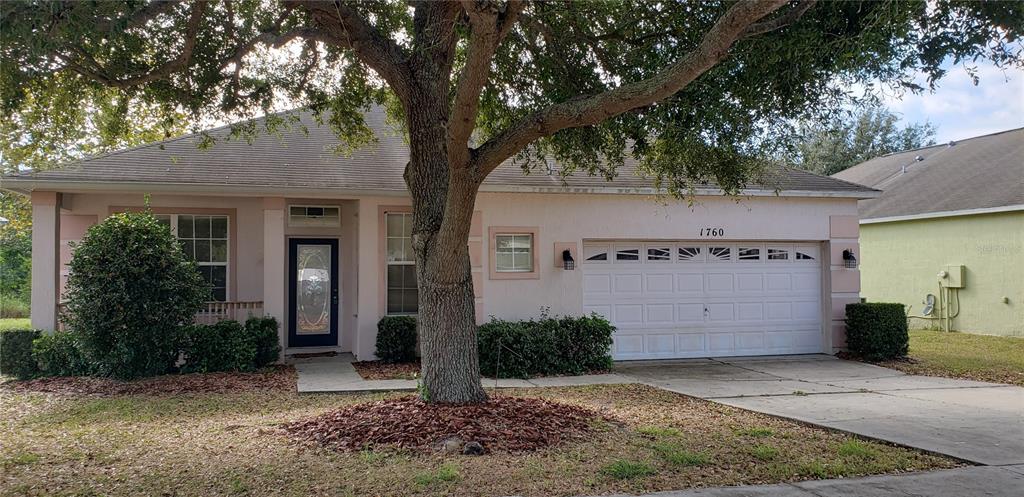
204 238
513 253
778 254
402 292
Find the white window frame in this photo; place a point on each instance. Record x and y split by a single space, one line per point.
407 260
227 257
314 222
530 254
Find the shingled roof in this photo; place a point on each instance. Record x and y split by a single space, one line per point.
984 172
295 161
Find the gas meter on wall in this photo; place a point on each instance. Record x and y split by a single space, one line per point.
954 276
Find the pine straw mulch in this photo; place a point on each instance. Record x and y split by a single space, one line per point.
502 424
273 378
380 370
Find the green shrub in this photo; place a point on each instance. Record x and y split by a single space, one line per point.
396 339
58 354
13 308
263 331
546 346
224 346
510 349
16 353
877 331
130 291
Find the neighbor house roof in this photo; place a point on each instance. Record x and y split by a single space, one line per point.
300 162
978 174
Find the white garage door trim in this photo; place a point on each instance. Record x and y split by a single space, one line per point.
706 299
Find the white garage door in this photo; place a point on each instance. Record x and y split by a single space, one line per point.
697 299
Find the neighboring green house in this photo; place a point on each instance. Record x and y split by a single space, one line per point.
942 207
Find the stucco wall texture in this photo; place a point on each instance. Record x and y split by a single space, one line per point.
901 261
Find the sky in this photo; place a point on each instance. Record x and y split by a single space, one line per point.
960 110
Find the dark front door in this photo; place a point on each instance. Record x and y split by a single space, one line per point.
312 292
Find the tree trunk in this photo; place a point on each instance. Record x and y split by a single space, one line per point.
443 200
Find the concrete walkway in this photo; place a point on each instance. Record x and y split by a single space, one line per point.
975 481
970 420
338 375
974 421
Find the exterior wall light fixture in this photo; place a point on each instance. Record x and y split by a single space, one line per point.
849 260
568 263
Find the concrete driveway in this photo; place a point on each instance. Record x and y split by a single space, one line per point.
974 421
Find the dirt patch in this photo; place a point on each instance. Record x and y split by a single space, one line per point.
502 424
275 378
379 370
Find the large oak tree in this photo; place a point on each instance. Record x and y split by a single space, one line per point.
699 92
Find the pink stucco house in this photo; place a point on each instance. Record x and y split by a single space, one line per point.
285 227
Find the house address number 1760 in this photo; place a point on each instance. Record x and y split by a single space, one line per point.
712 232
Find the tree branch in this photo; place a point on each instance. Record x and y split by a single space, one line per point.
163 71
434 40
791 16
489 27
586 111
343 26
140 17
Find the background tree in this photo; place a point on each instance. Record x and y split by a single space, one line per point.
829 147
15 255
701 91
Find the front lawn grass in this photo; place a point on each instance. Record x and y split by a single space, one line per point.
202 444
15 324
964 355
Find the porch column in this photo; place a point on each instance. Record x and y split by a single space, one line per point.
45 259
274 263
369 279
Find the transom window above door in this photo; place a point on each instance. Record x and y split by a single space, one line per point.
204 238
314 215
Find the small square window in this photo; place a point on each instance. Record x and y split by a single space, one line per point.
778 254
513 253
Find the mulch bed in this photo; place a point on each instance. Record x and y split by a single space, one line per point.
502 424
379 370
275 378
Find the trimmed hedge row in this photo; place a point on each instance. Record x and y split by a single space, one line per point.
396 339
517 349
545 346
877 331
224 346
230 346
16 353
